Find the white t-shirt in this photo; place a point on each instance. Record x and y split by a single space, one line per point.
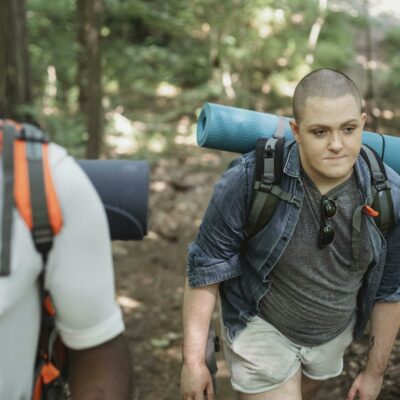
79 277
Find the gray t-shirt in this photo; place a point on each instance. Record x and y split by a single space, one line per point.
313 296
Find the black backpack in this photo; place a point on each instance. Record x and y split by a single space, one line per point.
267 186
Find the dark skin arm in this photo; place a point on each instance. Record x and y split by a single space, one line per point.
103 372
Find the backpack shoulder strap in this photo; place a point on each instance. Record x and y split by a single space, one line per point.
267 181
34 191
382 196
9 133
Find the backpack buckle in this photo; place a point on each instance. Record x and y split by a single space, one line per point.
43 239
265 186
269 151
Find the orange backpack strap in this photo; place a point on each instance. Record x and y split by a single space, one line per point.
47 382
29 183
34 191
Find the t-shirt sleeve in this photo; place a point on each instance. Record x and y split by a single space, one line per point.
79 274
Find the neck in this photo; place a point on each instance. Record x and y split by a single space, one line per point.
325 185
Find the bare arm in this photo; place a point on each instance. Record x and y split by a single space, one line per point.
198 306
102 372
385 323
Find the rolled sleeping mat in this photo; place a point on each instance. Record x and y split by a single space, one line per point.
236 129
123 187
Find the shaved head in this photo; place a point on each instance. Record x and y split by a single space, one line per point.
325 83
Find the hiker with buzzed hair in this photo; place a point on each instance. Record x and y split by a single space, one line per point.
295 294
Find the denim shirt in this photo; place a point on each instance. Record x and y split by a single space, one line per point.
222 254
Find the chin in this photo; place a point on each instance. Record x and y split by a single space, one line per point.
338 175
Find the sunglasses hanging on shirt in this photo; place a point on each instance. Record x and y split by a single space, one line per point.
328 210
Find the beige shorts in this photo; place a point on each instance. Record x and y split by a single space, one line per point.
260 358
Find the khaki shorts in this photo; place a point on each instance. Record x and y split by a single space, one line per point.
260 358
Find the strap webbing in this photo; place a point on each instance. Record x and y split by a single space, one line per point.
41 230
280 128
377 169
42 233
263 204
263 207
9 135
382 197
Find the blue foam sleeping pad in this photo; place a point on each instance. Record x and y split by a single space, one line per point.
237 130
123 187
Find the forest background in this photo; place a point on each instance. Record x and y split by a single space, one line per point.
127 79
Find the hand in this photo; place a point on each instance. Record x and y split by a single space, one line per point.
196 383
366 386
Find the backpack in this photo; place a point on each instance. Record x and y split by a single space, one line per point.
29 187
267 187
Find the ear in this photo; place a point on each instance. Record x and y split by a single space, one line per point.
295 130
364 117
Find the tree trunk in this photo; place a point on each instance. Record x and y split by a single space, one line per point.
316 30
90 14
369 94
15 79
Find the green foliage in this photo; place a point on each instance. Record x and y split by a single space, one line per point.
336 47
163 59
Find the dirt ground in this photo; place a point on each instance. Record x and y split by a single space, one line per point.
150 278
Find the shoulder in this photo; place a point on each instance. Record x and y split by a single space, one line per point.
75 191
240 170
57 154
244 162
393 177
394 183
64 168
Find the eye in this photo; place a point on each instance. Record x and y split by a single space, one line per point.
349 129
319 132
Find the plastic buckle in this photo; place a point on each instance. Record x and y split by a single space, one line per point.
43 238
265 187
269 152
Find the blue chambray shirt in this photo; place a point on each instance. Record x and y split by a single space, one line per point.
221 253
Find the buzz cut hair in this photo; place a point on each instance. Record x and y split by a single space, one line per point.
325 83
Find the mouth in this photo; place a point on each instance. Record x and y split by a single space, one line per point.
335 158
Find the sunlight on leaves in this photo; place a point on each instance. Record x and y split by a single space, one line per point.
165 89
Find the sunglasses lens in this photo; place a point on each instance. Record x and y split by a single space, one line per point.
330 207
326 235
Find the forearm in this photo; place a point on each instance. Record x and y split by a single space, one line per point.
385 323
198 306
102 372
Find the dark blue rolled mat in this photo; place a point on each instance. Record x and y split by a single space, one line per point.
237 130
123 187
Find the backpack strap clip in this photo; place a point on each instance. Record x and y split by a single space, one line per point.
268 177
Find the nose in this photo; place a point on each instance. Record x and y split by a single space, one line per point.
335 142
